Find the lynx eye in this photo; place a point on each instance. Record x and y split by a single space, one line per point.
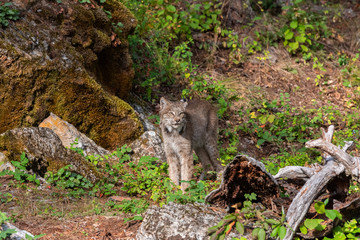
171 114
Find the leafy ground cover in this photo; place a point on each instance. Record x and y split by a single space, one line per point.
276 79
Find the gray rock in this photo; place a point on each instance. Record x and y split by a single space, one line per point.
45 151
5 164
148 144
18 235
175 221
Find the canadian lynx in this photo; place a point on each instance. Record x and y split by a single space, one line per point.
188 126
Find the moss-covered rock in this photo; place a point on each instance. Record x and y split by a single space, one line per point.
65 58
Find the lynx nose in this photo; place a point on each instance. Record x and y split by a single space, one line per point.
177 120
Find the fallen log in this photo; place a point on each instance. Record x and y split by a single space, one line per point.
337 161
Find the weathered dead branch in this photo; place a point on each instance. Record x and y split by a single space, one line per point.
337 161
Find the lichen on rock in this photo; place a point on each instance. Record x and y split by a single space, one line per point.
178 221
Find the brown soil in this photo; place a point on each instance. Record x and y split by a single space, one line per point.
88 227
47 210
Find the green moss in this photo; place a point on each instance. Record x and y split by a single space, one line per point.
83 15
122 14
102 39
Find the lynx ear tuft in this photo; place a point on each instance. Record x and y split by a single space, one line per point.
163 102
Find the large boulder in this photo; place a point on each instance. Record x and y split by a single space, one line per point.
65 58
45 152
177 222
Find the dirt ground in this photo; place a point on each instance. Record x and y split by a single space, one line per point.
49 211
89 227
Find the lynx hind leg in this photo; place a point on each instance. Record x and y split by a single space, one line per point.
213 152
205 162
174 166
211 143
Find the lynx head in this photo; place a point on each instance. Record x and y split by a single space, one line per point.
172 115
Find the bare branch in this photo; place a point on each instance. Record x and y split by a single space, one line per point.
315 185
341 156
295 172
312 188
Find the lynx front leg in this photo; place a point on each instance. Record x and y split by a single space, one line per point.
174 166
187 166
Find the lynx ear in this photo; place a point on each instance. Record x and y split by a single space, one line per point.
163 102
184 101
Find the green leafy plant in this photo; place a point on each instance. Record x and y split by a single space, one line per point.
196 192
7 13
351 72
231 41
156 117
315 223
200 17
349 230
318 64
148 177
118 27
5 234
343 60
67 179
228 152
304 28
94 159
145 177
182 56
277 122
21 174
246 215
210 90
28 237
162 43
274 126
283 159
253 47
133 206
5 197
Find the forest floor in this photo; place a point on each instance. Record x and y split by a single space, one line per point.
49 211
